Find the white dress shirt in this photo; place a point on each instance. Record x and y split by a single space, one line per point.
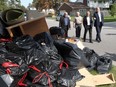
88 20
99 14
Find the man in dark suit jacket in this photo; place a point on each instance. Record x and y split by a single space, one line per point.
98 23
88 23
64 23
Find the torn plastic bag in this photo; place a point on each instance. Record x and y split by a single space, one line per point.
69 77
37 76
104 64
71 54
92 57
6 80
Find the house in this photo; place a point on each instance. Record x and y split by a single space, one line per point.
104 5
73 7
95 3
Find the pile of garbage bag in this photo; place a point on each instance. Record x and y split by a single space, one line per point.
40 61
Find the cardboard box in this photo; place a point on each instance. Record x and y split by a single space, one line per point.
94 80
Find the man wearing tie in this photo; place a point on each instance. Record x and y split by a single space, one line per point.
98 23
88 23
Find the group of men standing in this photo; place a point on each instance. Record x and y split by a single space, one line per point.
87 21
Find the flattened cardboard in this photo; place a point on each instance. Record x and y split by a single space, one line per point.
94 80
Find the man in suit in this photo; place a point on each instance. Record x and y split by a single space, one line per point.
88 23
64 23
98 23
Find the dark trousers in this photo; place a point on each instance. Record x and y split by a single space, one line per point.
78 30
98 31
88 28
66 30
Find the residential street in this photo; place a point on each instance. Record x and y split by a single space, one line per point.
108 34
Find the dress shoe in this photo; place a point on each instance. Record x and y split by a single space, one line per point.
91 41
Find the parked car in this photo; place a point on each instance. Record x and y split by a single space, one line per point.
58 17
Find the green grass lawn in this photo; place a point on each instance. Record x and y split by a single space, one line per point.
110 19
106 19
113 70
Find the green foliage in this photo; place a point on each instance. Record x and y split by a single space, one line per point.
110 19
3 5
100 1
113 10
113 70
6 4
42 4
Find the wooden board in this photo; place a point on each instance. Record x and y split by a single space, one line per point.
30 27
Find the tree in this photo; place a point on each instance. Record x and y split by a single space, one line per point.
47 4
3 5
14 3
113 10
101 1
113 1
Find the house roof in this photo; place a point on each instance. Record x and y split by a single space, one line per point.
75 5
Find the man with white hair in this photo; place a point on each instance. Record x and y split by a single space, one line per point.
98 23
78 24
64 23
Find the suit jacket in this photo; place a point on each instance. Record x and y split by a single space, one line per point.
85 21
62 22
96 19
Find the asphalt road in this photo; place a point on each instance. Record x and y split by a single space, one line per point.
108 34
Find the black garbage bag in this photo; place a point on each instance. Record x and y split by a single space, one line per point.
92 57
26 46
6 80
38 76
69 77
21 44
3 32
104 64
25 42
34 56
44 37
30 84
56 32
18 59
15 69
71 54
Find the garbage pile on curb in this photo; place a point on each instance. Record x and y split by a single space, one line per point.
43 61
